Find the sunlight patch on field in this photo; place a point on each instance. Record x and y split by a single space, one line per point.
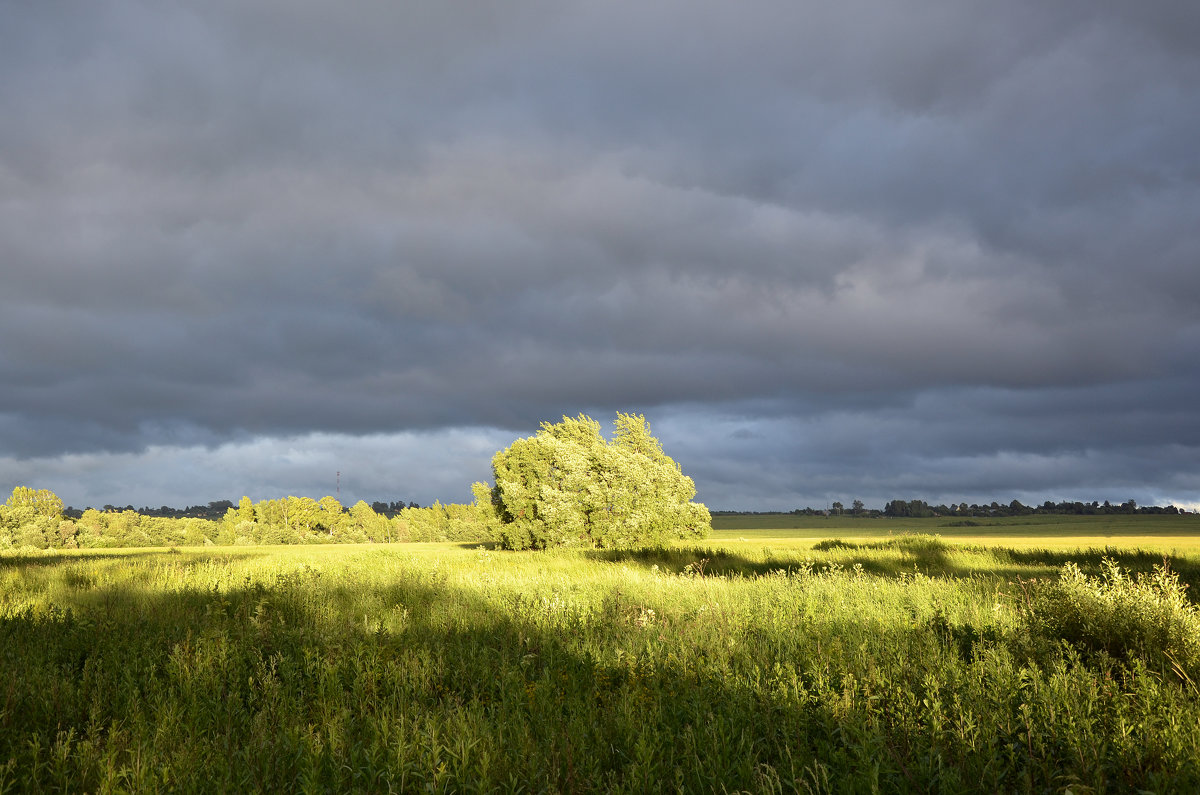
1174 535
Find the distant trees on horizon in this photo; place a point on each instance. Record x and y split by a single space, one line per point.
217 508
920 509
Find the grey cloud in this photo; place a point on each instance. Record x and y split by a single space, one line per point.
420 467
942 449
958 222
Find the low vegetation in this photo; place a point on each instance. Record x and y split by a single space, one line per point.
896 664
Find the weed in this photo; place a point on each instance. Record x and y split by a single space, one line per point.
1147 616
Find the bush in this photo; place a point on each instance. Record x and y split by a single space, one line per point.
833 543
1148 617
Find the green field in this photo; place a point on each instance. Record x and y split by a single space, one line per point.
769 658
1162 532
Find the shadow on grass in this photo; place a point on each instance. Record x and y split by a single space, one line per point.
903 555
927 554
193 556
258 688
488 545
59 558
1138 561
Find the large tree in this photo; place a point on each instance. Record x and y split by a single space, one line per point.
569 486
40 502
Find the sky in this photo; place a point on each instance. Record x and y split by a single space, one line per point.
943 249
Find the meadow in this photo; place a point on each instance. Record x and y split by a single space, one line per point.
782 654
1179 531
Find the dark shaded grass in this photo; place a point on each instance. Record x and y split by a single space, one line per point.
50 559
928 555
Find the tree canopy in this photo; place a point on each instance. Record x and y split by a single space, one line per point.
40 502
569 486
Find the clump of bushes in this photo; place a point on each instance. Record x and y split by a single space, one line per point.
828 544
1148 616
907 542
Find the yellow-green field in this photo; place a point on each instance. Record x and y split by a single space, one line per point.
784 654
1178 534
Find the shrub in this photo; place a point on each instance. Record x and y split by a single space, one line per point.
1148 617
833 543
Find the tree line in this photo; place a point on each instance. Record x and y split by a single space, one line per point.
37 518
923 510
919 508
218 508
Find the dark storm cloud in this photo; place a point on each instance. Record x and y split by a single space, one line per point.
948 244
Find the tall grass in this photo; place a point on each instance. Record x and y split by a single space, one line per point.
906 666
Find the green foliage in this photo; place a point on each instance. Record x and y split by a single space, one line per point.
567 486
452 522
42 502
33 519
1148 617
443 668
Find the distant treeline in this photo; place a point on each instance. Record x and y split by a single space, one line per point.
217 509
923 510
919 508
37 518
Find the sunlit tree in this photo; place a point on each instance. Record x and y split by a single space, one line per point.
40 502
567 485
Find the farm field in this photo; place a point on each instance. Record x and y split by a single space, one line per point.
826 658
1167 533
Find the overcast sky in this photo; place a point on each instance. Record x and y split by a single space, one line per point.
942 249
